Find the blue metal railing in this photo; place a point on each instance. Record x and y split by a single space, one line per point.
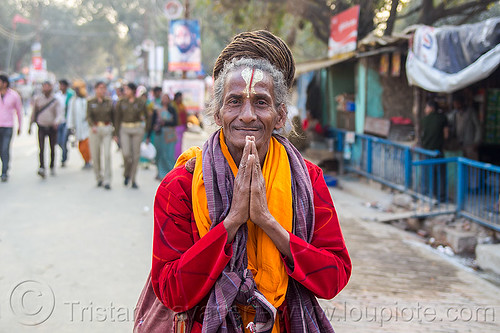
439 185
477 190
434 186
382 160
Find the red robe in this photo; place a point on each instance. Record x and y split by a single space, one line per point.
186 267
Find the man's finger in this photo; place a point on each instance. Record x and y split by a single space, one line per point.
244 157
257 177
249 168
255 152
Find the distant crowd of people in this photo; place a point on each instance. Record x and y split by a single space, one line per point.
457 130
132 116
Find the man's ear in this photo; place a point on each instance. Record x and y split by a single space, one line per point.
282 114
217 118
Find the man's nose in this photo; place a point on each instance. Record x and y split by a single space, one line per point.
247 113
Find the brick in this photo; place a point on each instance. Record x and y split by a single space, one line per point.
461 241
403 200
488 257
439 233
414 224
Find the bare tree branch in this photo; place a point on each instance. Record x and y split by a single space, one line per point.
409 13
392 18
479 5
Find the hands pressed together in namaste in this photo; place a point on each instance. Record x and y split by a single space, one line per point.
250 202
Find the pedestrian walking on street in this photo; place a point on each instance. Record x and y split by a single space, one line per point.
142 93
10 104
130 118
77 121
154 105
246 235
64 95
180 109
100 119
163 125
47 114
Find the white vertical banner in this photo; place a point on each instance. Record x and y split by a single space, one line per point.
155 65
160 53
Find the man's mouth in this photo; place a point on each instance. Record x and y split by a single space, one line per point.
247 129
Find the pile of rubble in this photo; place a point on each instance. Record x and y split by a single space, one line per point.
452 235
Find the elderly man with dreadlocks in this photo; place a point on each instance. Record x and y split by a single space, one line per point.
246 235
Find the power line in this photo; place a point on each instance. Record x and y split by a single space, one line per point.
77 33
16 36
26 37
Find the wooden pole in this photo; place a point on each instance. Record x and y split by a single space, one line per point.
186 16
416 110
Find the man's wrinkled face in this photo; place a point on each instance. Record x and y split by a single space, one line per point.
249 109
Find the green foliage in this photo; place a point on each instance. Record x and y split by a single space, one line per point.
81 38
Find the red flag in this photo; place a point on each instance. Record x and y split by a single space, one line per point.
19 19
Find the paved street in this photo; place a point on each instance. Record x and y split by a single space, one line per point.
74 258
400 284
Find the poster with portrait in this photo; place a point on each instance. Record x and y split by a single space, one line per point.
184 46
193 93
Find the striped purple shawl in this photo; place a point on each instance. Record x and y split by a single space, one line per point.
236 284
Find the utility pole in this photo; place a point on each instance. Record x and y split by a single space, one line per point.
186 16
11 47
186 12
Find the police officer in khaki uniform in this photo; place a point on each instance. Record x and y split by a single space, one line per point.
100 118
130 118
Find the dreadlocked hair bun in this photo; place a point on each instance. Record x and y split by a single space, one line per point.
259 44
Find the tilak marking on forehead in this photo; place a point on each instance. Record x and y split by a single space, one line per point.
251 77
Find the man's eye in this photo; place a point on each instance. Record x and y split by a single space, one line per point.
261 102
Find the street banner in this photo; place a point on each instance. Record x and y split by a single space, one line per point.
36 56
155 65
343 32
450 58
184 46
37 63
193 93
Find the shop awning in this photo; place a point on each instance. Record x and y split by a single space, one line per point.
314 65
